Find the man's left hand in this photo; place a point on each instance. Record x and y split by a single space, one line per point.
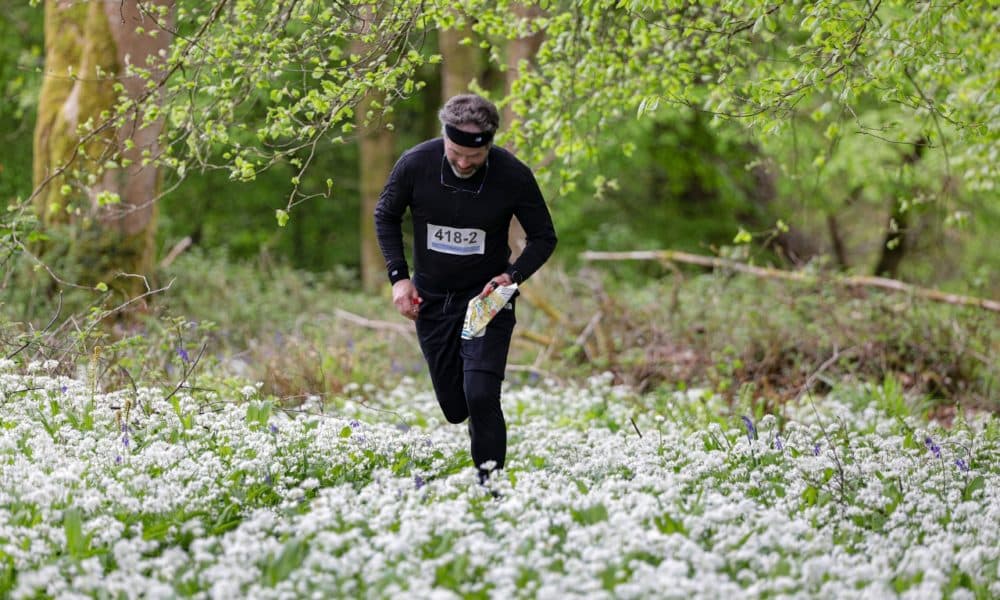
494 283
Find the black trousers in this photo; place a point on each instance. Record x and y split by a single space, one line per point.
467 373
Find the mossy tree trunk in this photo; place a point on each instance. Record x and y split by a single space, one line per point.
80 159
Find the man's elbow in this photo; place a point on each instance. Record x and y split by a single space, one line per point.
553 241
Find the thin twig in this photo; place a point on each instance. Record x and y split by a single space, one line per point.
44 329
187 372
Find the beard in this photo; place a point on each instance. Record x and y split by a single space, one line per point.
459 174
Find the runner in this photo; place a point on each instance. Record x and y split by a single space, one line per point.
462 192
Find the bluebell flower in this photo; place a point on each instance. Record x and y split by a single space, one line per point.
355 424
934 448
778 445
751 430
181 352
63 389
962 465
118 459
418 481
273 428
816 449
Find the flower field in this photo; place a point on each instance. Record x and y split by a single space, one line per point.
145 492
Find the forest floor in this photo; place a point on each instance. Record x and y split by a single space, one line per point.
146 492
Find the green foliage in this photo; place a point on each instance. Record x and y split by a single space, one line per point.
653 123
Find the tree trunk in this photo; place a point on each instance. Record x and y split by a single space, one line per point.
377 147
376 151
460 63
521 49
894 241
87 47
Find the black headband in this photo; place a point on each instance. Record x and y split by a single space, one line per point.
469 140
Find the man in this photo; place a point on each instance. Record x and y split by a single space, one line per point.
462 192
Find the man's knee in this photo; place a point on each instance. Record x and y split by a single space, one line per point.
482 390
454 416
454 407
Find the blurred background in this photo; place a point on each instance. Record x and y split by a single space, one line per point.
253 209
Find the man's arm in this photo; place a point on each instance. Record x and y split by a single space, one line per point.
389 211
534 216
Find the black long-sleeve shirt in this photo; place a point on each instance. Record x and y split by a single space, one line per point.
460 226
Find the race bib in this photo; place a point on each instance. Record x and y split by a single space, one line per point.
451 240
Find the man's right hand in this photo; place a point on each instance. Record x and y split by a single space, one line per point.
406 299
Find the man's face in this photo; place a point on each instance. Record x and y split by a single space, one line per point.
465 161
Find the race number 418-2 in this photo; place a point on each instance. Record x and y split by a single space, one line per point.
452 240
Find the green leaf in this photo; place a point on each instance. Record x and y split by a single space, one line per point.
977 483
810 495
589 516
106 197
668 525
292 555
77 544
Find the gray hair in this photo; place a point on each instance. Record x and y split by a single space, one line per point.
470 109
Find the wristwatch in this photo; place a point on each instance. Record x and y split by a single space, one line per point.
515 275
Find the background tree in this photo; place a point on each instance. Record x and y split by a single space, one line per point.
823 100
90 52
868 76
376 155
459 60
520 52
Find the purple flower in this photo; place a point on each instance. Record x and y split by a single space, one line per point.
273 428
962 465
778 445
816 449
125 440
181 352
751 430
63 389
418 481
354 424
934 448
118 459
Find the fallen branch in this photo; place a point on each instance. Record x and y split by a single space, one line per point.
543 305
767 272
538 338
374 324
176 251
